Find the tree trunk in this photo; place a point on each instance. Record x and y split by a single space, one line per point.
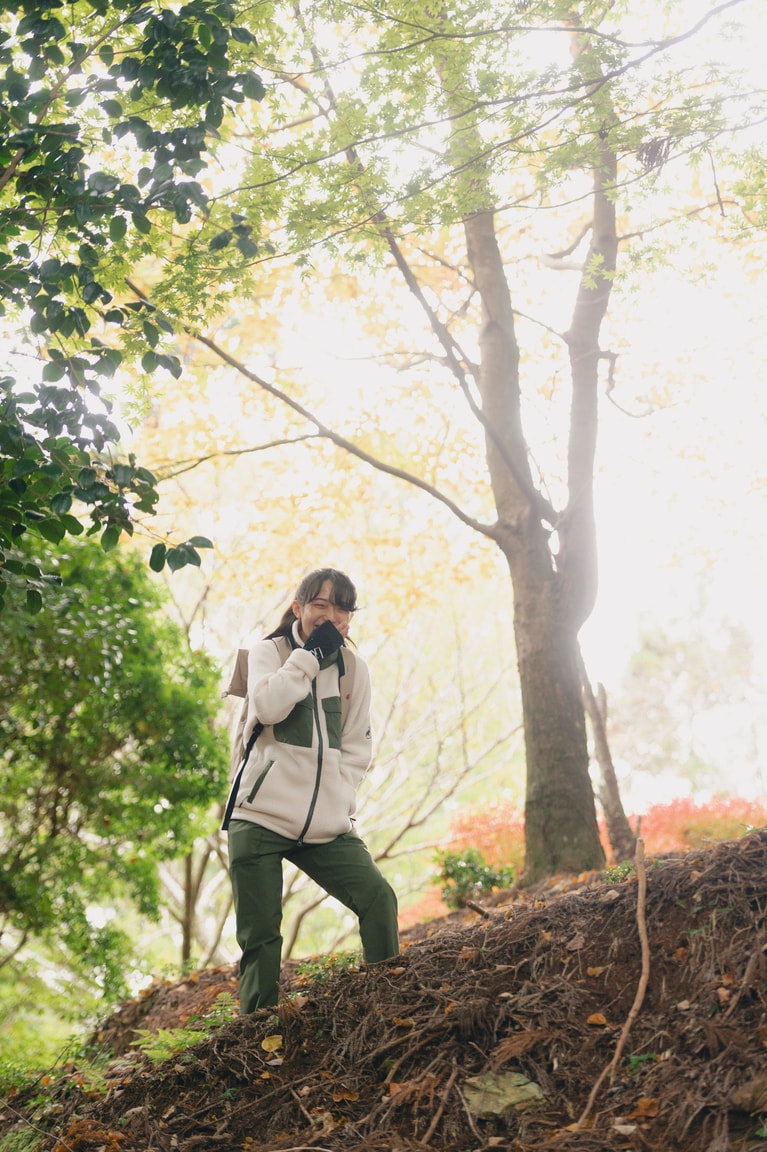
622 839
561 831
187 916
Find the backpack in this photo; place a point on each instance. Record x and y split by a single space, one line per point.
238 686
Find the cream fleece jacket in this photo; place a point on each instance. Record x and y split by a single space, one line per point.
303 773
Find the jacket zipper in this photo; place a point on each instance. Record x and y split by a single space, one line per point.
313 804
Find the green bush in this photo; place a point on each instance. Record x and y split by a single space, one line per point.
466 875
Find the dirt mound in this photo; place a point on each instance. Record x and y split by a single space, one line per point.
536 1028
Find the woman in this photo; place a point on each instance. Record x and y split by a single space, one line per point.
309 700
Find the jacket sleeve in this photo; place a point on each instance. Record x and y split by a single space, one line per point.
275 688
356 737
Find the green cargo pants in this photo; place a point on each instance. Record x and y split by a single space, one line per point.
343 867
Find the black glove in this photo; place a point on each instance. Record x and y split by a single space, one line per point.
323 641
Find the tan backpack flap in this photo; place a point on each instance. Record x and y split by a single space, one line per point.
238 684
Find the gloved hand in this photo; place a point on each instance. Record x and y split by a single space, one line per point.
324 640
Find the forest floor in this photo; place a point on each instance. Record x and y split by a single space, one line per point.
584 1015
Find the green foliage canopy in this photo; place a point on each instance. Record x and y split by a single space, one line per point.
107 110
109 758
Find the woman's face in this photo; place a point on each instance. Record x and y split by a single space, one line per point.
320 609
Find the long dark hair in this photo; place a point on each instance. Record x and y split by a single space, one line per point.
344 595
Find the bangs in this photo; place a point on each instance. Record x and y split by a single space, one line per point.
344 592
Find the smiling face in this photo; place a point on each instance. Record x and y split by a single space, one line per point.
320 608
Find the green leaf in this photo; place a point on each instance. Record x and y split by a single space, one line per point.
34 601
123 474
199 542
52 530
253 87
247 246
118 226
61 503
110 537
157 557
53 371
73 526
180 556
221 240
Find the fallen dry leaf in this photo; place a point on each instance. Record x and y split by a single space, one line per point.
596 971
271 1043
576 943
580 1125
751 1097
646 1108
597 1019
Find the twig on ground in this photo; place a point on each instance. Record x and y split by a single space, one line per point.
438 1114
641 987
748 976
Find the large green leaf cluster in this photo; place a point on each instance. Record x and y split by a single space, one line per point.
107 113
109 754
413 116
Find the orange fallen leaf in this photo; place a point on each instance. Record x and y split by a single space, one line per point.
646 1107
546 935
450 1006
597 1019
406 1023
680 953
596 971
345 1094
